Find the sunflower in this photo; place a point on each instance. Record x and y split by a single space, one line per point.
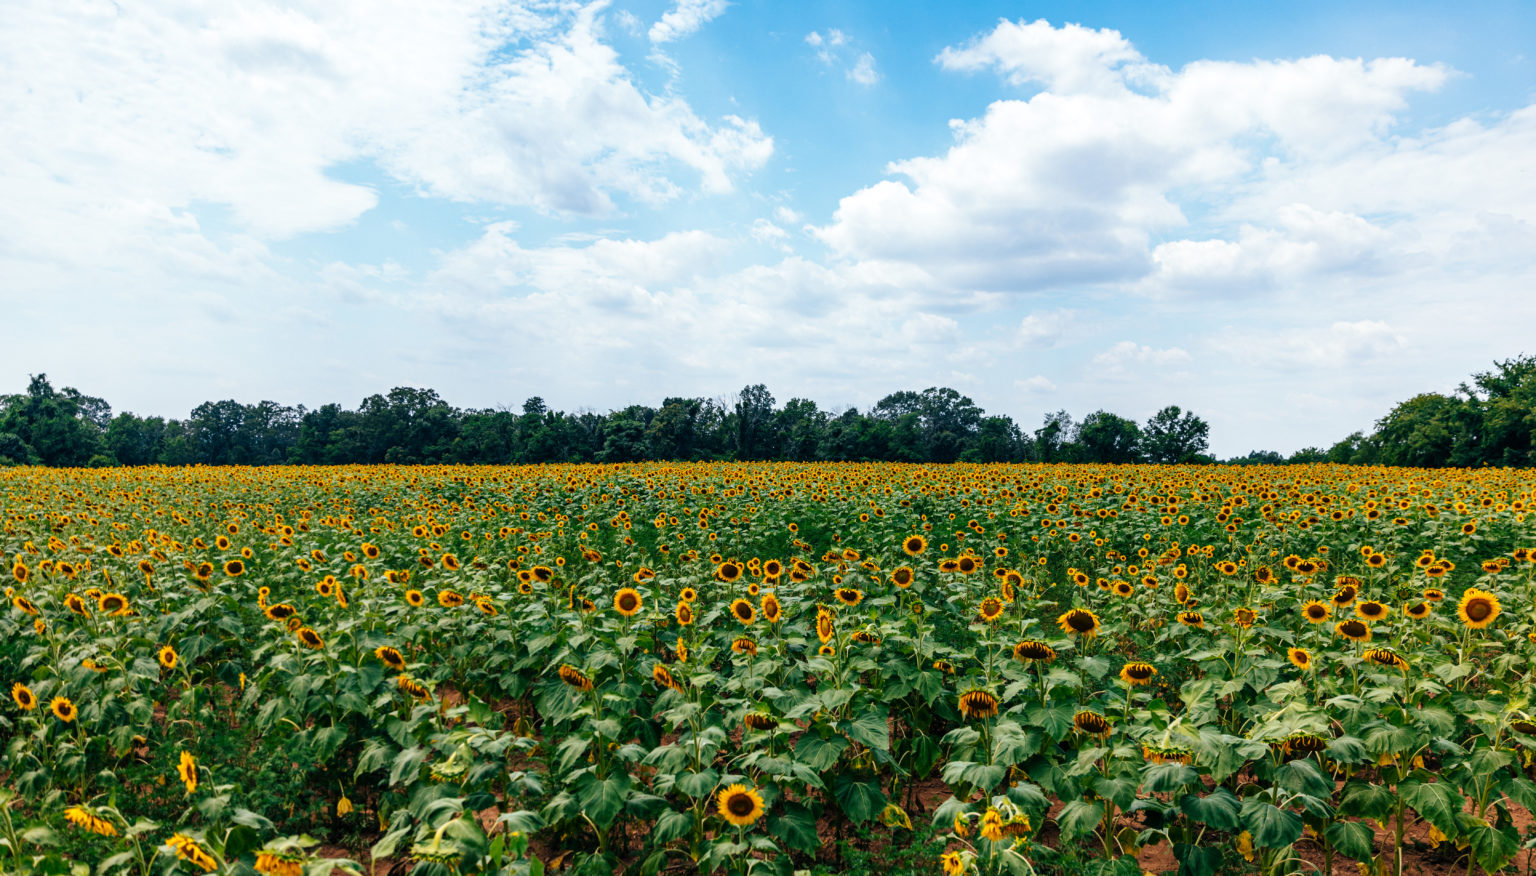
543 574
1372 610
63 709
684 613
739 805
977 703
280 611
113 603
234 568
1418 611
326 586
25 699
902 577
1315 611
574 677
1181 593
1123 588
773 569
949 566
1434 594
849 596
390 657
729 571
450 598
826 651
1306 743
1031 650
1191 619
186 770
411 686
86 819
773 612
824 628
688 595
1386 657
663 676
168 657
1137 673
744 645
1344 596
75 604
743 611
187 849
1299 658
1245 617
1477 608
954 863
914 545
371 551
627 602
1091 723
276 862
1354 630
310 638
1079 622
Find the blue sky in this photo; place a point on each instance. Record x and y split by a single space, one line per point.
1284 217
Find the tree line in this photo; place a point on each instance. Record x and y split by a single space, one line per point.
65 427
1489 421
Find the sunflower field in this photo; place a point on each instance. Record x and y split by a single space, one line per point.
767 668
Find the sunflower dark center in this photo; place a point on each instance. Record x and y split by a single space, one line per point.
740 805
1478 609
1081 621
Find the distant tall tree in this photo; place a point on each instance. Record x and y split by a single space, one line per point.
1053 440
1106 437
58 427
754 422
1173 435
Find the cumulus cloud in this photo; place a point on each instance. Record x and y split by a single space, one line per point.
1037 385
863 70
1341 344
684 18
1127 355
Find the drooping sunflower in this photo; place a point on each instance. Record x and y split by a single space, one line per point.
663 676
1434 594
991 609
902 577
309 638
168 657
1372 610
1305 743
1353 629
1078 622
627 602
740 805
1477 608
187 849
1137 673
914 545
412 687
1344 596
1386 657
186 770
277 862
773 612
63 709
1245 617
1031 650
1091 723
543 574
1181 593
574 677
1418 610
76 605
280 611
743 611
744 645
1299 657
1191 619
25 699
977 703
949 566
1315 611
390 657
87 819
450 598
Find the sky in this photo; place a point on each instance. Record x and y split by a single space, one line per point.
1283 217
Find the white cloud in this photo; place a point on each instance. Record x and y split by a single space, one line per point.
1119 359
1045 328
863 70
1070 59
1037 385
764 231
685 17
1342 344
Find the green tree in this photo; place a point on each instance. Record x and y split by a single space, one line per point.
60 427
1106 437
1173 435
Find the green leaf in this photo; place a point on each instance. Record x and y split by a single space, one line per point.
1056 721
1366 800
407 762
1079 818
1352 839
861 800
601 799
1437 802
1348 749
698 784
796 827
818 753
1121 791
1162 777
871 728
671 825
1303 777
1271 826
1493 847
1197 860
1218 809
